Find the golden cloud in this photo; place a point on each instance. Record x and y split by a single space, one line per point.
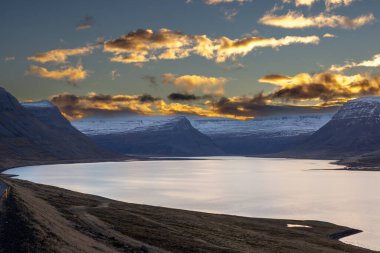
71 74
147 45
371 63
325 86
330 4
297 20
225 48
60 55
195 83
75 107
329 35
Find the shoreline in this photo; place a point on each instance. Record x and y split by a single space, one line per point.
160 229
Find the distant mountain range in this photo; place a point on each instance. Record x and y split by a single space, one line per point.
153 135
38 132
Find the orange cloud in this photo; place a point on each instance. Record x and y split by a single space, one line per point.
371 63
325 86
225 48
75 107
330 4
194 83
297 20
60 55
71 74
147 45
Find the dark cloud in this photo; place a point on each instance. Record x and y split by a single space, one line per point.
73 106
325 86
257 107
182 97
188 97
148 98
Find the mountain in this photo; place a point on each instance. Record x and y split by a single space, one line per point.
152 136
258 136
353 130
261 135
27 133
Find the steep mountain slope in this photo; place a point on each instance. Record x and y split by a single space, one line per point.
354 130
25 136
173 137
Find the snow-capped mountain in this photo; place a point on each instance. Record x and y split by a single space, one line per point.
354 130
118 125
290 125
257 136
281 125
367 107
165 137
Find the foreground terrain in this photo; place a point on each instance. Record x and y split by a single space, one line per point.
40 218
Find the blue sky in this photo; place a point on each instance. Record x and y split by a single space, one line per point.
34 27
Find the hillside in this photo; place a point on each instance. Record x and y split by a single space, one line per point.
353 131
39 133
172 137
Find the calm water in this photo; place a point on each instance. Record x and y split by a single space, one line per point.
273 188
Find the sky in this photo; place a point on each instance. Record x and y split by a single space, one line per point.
222 58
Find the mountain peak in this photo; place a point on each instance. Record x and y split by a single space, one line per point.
181 122
7 101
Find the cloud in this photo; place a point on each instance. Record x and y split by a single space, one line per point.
147 45
324 86
86 23
75 107
70 74
297 20
255 106
371 63
225 48
330 4
9 58
195 83
182 97
214 2
301 2
329 35
60 55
